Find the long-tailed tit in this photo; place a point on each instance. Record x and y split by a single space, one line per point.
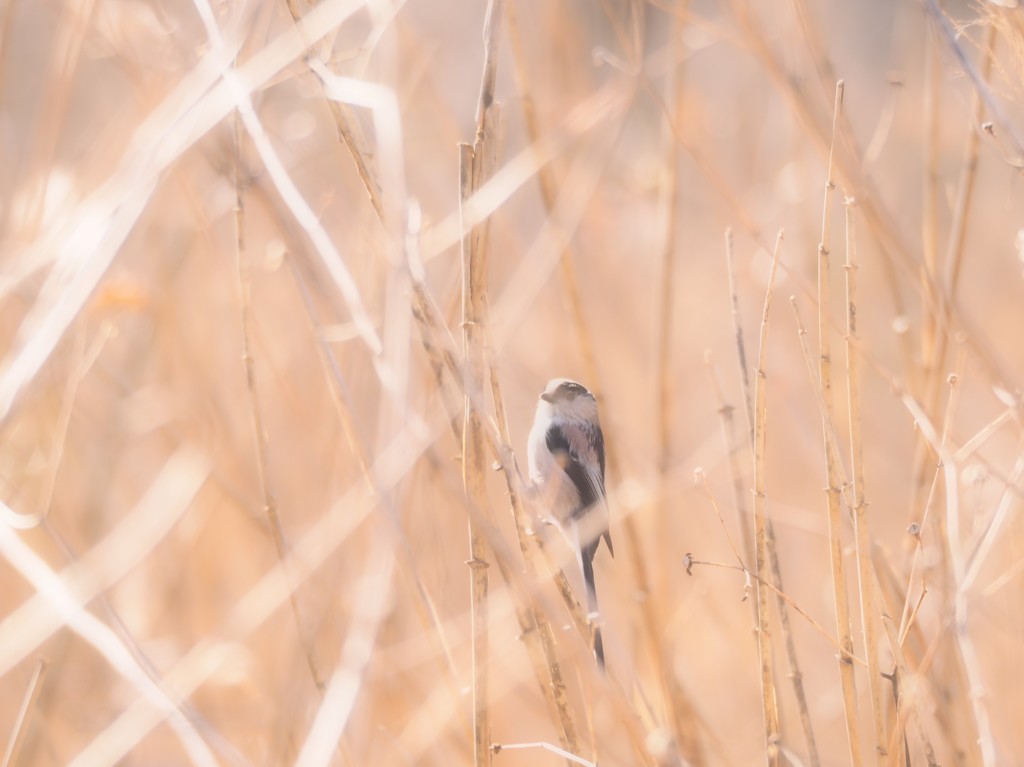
566 459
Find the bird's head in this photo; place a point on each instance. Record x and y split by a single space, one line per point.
569 400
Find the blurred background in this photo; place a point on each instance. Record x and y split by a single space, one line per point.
235 529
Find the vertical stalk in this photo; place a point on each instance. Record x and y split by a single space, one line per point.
833 486
473 469
476 163
748 402
769 697
795 674
865 573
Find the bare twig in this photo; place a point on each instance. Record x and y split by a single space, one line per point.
473 465
868 609
833 490
570 757
769 701
476 164
795 673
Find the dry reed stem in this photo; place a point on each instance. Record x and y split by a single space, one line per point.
796 676
21 722
769 697
255 408
832 473
865 572
537 632
473 464
795 673
476 164
536 628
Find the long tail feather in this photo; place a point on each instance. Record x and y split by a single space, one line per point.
594 616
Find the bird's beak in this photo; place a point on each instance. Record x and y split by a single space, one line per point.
547 397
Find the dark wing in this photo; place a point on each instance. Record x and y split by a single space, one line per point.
589 483
590 489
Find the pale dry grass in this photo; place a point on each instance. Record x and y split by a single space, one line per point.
240 520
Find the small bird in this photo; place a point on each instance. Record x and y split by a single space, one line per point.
565 453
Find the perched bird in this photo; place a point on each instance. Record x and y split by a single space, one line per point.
566 460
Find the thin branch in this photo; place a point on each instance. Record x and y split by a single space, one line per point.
769 697
473 466
833 490
476 164
795 673
865 573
